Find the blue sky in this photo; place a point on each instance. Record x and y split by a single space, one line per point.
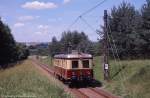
40 20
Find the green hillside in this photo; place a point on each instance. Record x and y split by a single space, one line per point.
132 82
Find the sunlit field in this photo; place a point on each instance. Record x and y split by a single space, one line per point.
132 82
25 80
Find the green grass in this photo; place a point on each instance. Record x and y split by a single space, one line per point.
132 82
98 72
46 60
26 80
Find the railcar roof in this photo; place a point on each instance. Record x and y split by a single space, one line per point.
74 55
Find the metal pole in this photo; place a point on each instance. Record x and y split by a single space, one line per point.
69 47
106 51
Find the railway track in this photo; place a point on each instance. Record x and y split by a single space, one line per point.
92 93
88 92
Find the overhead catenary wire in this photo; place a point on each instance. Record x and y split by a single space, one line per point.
84 13
116 52
114 44
74 22
122 75
87 24
111 46
91 9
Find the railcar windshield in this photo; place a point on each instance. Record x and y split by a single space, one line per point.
75 64
85 63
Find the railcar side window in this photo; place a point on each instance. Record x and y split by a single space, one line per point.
75 64
85 63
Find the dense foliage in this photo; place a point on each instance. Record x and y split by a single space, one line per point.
129 29
145 35
72 40
41 49
10 51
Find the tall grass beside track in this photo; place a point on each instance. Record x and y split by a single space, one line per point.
25 80
132 82
46 60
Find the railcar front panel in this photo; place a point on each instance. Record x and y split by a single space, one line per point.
74 67
80 74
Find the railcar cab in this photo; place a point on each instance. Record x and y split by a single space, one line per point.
74 67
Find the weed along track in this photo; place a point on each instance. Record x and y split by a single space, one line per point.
85 92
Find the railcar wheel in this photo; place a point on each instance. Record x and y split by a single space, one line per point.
71 85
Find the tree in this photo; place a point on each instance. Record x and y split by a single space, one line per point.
75 40
54 46
10 52
22 51
145 33
78 41
124 24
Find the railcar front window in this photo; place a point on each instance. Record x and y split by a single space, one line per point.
85 63
75 64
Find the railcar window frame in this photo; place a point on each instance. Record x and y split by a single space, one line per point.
85 64
76 65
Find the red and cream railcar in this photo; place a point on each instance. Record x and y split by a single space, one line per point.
74 67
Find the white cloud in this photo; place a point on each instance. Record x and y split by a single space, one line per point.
43 27
19 24
39 5
66 1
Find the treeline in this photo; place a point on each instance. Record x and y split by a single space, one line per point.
40 49
129 29
10 51
73 40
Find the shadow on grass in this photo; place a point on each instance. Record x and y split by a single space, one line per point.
84 84
9 65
